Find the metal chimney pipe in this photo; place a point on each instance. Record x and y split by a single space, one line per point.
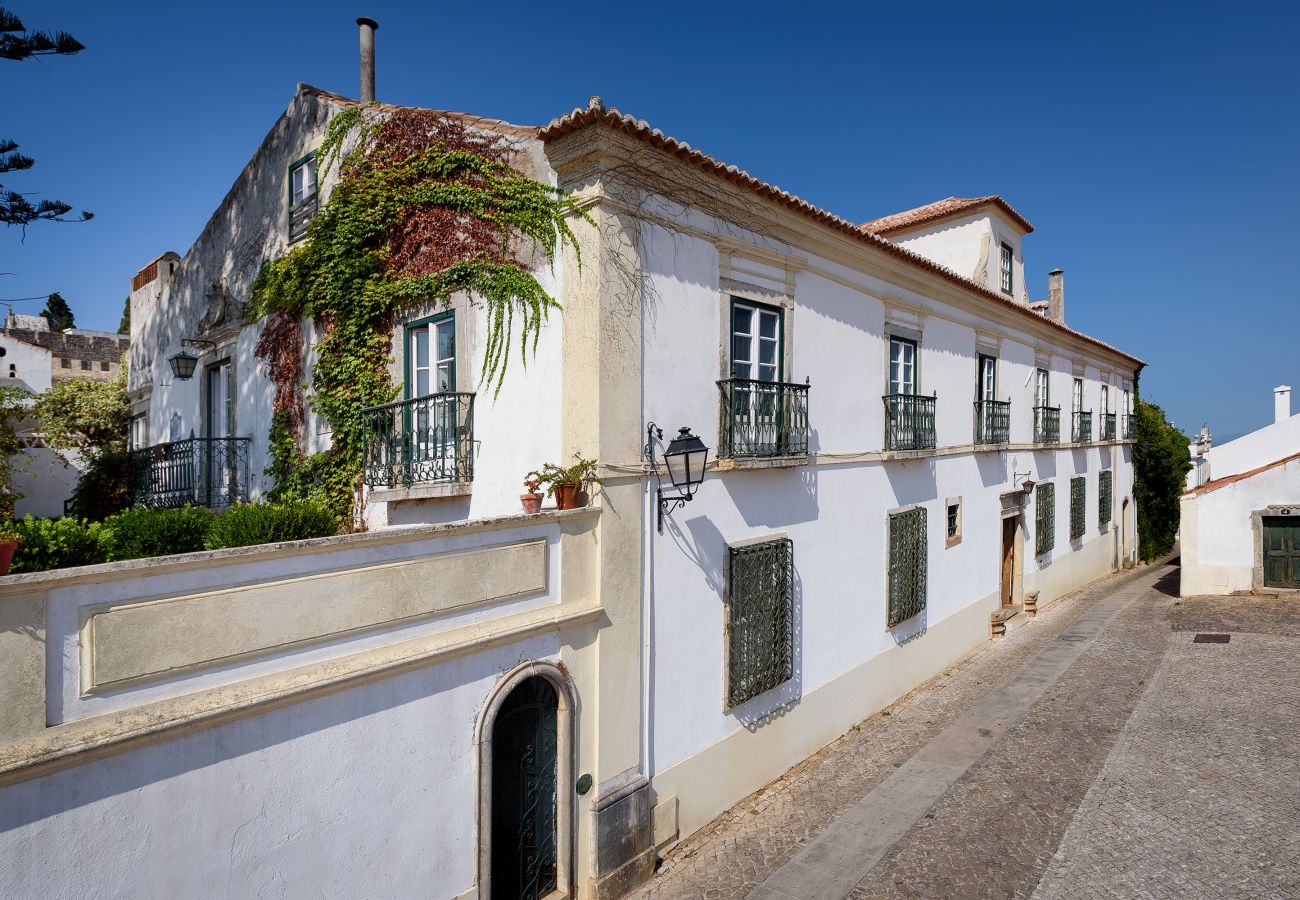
368 27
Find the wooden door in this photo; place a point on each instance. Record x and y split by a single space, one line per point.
1281 552
1008 561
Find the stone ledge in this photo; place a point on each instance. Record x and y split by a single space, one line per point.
751 463
421 492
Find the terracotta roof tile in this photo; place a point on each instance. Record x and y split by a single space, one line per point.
596 114
1229 479
942 209
483 122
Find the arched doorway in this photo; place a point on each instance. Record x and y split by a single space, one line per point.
525 769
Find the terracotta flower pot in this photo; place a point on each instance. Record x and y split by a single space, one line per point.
566 496
7 549
532 502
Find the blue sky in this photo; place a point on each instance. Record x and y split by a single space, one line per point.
1153 145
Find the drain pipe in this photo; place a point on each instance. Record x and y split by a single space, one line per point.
368 28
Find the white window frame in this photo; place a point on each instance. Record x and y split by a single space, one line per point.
1042 388
755 343
438 372
1076 398
904 354
1008 273
302 181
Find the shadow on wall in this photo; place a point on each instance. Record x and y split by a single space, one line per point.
125 773
910 629
753 714
774 498
993 469
912 481
1045 463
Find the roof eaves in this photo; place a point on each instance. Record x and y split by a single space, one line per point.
597 114
1240 476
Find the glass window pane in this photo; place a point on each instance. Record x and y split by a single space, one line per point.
741 320
420 346
444 377
740 348
446 340
767 325
767 373
422 383
767 352
740 369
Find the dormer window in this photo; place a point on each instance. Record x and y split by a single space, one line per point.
1006 268
302 196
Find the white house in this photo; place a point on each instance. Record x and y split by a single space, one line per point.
1236 530
903 448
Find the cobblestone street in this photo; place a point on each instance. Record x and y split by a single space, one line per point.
1098 752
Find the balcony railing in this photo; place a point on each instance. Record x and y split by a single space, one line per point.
909 422
992 421
211 472
300 216
1047 424
425 440
762 419
1128 428
1081 428
1108 426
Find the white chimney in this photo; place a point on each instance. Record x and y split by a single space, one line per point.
1281 402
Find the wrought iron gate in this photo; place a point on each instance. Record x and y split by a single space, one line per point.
524 742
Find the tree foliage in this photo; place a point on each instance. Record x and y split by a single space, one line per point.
425 207
124 326
1161 461
58 313
18 43
82 414
15 407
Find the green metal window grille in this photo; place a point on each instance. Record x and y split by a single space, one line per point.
1105 491
906 565
1077 500
760 619
1044 518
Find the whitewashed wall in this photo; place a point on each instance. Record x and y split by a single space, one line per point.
1216 534
365 792
847 662
971 246
1259 448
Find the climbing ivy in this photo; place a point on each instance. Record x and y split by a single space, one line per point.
425 207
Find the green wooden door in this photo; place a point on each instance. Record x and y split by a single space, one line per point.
1282 551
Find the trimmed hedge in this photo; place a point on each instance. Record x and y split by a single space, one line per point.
55 544
138 533
246 524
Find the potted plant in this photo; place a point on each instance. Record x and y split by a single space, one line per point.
532 500
567 483
8 544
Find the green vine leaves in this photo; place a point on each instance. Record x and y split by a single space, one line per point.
425 207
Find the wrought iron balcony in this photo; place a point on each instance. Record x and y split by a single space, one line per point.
300 216
909 422
762 419
425 440
1047 424
1129 428
992 421
1081 429
1108 426
211 472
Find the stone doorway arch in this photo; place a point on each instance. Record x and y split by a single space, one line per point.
517 751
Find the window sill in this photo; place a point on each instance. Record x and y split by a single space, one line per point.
910 454
748 463
421 492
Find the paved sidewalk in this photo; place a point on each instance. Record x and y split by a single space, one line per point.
1045 763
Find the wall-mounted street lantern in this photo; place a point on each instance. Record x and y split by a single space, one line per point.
184 363
685 458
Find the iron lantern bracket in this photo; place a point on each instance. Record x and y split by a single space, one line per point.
666 503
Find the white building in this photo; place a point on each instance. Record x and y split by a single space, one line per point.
877 400
1236 527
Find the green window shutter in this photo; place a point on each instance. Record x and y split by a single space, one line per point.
1078 499
1105 490
907 563
1045 518
760 619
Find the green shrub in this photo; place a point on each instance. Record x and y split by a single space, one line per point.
102 489
139 532
56 544
268 523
